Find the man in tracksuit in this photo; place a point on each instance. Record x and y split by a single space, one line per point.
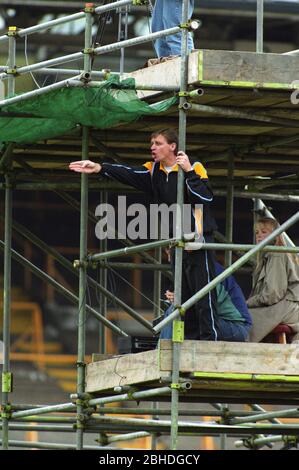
158 178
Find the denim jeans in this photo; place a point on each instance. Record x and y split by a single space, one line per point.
227 330
168 14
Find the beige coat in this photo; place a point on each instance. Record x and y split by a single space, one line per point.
274 297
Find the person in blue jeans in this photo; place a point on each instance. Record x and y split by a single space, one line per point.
168 14
234 320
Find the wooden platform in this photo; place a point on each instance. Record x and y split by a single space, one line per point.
239 372
231 68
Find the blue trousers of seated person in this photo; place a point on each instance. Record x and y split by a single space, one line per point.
227 330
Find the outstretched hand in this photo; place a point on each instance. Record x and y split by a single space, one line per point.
85 166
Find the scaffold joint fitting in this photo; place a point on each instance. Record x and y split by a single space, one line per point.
225 418
77 263
80 421
182 310
191 25
88 50
180 244
89 8
139 2
13 71
106 73
290 441
103 439
175 386
80 364
131 393
83 403
249 443
12 31
6 411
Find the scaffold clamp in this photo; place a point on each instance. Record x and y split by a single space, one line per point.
191 25
183 386
89 8
139 2
12 31
88 50
77 263
12 71
6 411
180 244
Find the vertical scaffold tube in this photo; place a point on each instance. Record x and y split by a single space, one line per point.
89 9
157 313
6 374
229 208
260 26
179 250
103 283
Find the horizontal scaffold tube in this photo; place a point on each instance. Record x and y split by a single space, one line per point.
97 51
40 427
66 19
137 86
33 93
293 413
242 247
135 396
261 441
52 445
127 437
254 194
240 113
194 427
132 249
227 272
143 266
101 75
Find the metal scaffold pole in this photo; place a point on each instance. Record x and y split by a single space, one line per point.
229 223
89 10
178 335
229 219
260 26
157 313
103 283
6 373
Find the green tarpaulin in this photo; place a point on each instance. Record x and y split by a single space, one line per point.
56 112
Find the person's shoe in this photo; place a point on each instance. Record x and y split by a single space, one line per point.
170 57
154 61
159 60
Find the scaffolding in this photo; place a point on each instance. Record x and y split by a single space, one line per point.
87 410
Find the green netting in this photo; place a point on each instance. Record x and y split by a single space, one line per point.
59 111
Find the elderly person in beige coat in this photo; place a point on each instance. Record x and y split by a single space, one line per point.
274 298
